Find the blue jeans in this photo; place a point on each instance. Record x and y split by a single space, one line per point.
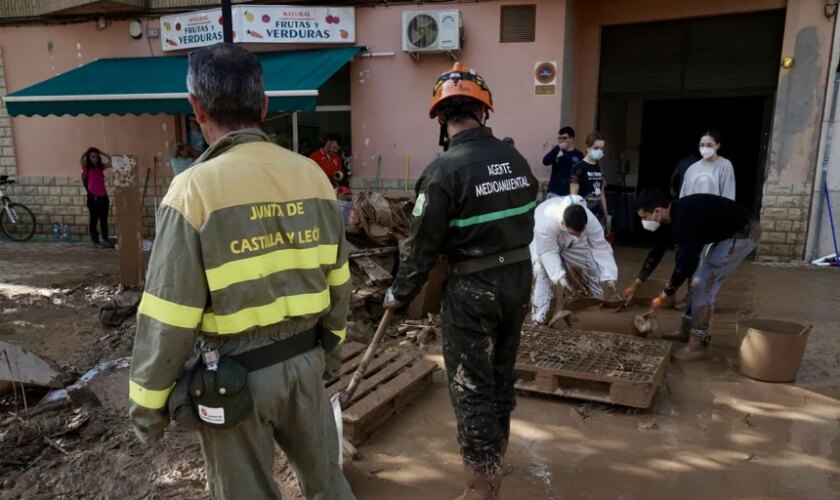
718 261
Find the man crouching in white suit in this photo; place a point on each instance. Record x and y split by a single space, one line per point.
569 250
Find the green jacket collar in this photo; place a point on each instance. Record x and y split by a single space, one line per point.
232 139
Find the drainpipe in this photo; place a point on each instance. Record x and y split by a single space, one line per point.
227 22
818 193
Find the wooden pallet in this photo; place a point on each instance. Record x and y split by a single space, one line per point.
392 381
594 366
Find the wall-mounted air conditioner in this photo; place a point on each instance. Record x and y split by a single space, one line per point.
430 31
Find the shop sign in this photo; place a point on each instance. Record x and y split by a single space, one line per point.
193 29
284 24
260 24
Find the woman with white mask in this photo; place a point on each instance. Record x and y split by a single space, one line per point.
713 174
587 179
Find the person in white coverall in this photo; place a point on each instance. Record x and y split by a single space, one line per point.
569 242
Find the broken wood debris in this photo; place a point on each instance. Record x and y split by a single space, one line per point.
420 332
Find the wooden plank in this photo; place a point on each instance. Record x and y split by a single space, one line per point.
128 220
374 252
377 363
546 382
356 431
617 391
350 349
388 392
574 393
376 274
387 372
349 367
565 373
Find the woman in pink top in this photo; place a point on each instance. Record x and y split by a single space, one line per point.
94 162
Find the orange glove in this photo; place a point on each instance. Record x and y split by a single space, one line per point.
631 290
663 301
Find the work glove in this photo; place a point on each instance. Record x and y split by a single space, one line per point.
630 291
663 301
390 301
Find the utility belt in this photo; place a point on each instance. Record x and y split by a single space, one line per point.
213 389
486 262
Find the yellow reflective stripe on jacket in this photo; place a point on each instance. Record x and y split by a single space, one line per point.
252 268
269 314
170 313
340 276
340 334
148 398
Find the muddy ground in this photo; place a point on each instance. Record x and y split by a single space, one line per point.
711 432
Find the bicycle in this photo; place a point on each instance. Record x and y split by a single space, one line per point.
16 220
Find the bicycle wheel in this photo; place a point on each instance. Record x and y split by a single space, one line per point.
22 227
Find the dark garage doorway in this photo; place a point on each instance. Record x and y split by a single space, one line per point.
662 84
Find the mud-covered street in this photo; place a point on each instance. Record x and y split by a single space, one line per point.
711 432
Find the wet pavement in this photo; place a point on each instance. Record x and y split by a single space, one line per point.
711 434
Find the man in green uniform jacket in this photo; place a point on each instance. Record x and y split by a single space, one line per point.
249 265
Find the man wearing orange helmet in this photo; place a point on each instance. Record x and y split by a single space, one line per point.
475 206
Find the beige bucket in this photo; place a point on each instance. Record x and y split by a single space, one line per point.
771 350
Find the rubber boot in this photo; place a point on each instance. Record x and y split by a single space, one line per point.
682 334
480 486
507 468
694 350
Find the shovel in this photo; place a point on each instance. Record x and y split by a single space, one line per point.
341 399
646 323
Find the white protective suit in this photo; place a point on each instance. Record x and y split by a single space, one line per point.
554 251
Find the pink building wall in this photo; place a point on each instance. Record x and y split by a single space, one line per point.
390 96
50 146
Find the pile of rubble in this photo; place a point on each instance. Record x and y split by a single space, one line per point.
375 226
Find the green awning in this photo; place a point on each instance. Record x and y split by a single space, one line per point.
152 85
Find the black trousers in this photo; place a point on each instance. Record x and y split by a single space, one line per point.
482 322
98 208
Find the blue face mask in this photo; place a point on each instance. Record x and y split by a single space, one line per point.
596 154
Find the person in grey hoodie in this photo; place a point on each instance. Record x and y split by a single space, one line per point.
713 174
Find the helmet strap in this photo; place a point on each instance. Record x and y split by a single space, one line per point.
443 141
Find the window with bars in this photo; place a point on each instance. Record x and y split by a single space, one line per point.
518 23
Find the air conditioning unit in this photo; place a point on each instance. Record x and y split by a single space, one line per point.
429 31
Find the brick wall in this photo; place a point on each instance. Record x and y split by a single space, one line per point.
784 222
64 200
7 151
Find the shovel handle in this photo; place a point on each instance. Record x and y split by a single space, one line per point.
347 394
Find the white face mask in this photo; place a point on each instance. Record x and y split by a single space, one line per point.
651 225
707 152
596 154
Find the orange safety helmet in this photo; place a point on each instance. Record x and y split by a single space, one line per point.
460 81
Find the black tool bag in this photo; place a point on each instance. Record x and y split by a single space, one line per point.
182 410
221 396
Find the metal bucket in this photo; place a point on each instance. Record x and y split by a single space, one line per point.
771 350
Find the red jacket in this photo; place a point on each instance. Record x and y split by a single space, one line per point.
329 163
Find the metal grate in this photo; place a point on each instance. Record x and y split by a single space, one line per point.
518 23
606 354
